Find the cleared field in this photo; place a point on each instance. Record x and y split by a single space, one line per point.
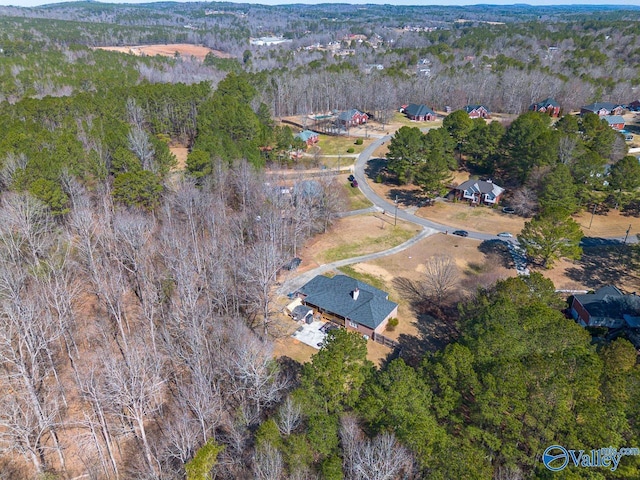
168 50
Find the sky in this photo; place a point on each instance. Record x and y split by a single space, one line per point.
31 3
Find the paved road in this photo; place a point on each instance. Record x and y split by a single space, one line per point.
390 208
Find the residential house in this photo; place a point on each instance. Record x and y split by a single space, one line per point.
308 137
419 113
352 117
479 192
602 108
477 111
350 303
607 307
548 105
615 121
634 106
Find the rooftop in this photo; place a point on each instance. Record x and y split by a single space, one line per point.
369 307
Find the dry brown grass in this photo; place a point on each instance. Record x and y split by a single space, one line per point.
181 152
362 232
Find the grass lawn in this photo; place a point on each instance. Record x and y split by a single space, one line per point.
400 120
338 144
353 236
394 236
372 280
357 200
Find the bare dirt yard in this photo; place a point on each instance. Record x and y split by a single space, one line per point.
180 152
168 50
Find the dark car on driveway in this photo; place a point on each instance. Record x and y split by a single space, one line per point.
461 233
351 178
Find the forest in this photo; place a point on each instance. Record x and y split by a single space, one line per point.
136 334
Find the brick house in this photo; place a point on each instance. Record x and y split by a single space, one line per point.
615 121
602 108
352 117
419 113
548 106
308 137
350 303
479 192
607 307
477 111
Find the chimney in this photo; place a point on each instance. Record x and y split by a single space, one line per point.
355 293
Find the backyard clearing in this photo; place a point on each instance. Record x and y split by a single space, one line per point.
417 331
180 153
168 50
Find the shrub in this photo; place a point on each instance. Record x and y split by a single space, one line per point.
359 141
350 150
392 324
378 178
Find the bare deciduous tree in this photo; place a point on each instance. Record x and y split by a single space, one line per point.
267 463
380 458
524 201
289 416
440 276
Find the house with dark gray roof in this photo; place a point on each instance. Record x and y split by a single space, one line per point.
549 106
607 307
477 111
350 303
602 108
350 118
419 113
479 191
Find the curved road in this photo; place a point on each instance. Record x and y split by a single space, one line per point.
389 207
380 204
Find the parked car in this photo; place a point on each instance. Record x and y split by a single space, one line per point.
354 184
505 235
508 210
462 233
351 178
292 264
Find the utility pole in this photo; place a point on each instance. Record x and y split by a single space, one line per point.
395 217
626 235
593 212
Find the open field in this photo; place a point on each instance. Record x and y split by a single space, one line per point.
338 145
353 236
168 50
